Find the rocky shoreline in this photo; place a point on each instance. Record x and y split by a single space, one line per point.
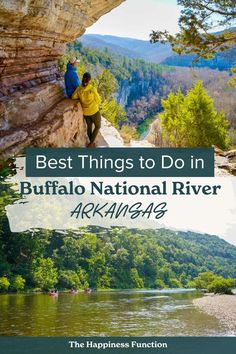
223 307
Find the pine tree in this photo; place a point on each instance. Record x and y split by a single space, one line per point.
205 126
192 120
196 21
113 112
173 119
106 84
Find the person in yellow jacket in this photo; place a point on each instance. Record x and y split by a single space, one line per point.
90 101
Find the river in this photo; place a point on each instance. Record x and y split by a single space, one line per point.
107 313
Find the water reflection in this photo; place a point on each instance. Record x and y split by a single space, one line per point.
120 313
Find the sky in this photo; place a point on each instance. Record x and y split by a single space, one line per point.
137 19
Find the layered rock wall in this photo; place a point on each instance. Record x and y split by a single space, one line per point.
33 35
63 126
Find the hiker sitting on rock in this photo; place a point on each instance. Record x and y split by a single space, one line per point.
90 101
72 80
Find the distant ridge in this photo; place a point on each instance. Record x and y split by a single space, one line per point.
130 47
156 53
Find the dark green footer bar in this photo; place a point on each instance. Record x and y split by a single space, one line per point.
115 345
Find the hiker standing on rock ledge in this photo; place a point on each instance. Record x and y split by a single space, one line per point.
90 101
72 81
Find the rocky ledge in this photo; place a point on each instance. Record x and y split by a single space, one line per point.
226 161
63 126
33 36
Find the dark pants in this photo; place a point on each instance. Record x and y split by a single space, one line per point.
95 120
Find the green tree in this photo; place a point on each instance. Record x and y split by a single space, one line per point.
137 281
116 257
175 283
213 283
4 284
104 281
45 274
192 121
113 112
72 279
207 126
221 286
159 284
106 84
69 255
203 280
18 283
173 119
197 19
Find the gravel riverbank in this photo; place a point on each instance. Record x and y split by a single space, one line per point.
223 307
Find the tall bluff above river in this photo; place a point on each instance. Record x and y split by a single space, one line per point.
33 36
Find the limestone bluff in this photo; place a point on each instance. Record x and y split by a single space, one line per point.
33 36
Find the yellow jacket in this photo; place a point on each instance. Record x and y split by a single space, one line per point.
89 99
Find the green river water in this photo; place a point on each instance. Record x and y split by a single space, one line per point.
109 313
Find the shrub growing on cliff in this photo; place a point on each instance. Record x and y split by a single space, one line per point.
128 133
113 112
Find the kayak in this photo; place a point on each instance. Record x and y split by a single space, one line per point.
88 291
52 293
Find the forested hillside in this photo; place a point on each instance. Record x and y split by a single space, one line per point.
221 61
114 258
158 53
105 258
129 47
141 85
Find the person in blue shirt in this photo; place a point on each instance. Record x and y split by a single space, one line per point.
72 80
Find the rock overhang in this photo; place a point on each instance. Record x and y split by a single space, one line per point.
33 36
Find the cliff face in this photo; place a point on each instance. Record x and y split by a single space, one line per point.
33 36
63 126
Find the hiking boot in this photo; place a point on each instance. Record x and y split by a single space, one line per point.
91 145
